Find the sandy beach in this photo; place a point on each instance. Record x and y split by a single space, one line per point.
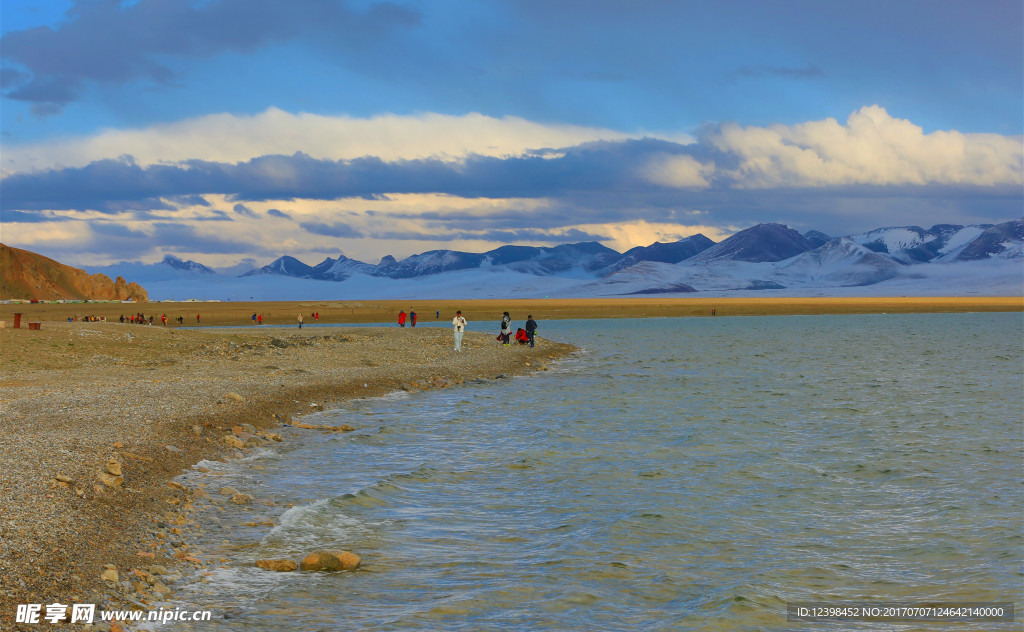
99 417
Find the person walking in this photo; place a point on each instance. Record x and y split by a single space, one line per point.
531 328
259 319
401 319
300 321
412 317
506 329
459 324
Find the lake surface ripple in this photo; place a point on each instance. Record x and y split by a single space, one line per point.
676 474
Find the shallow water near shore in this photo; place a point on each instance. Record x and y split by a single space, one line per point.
676 474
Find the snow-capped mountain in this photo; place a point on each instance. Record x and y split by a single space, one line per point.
1002 241
170 267
340 269
840 262
913 244
764 242
427 263
816 238
946 242
185 266
672 252
284 266
771 259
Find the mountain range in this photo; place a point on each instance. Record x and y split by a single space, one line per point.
770 258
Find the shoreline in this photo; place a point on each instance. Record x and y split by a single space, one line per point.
484 313
158 401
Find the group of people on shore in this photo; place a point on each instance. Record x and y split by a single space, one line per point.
410 318
524 335
142 319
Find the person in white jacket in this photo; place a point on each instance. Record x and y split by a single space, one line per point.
459 324
506 328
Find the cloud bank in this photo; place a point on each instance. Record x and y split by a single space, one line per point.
873 148
473 182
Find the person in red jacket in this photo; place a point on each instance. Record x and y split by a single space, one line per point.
401 319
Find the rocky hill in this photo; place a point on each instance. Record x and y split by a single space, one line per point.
27 275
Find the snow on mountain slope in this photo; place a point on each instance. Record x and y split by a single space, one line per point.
891 240
839 262
284 266
996 277
724 275
170 268
769 259
764 242
913 244
463 284
646 277
958 241
1002 241
340 269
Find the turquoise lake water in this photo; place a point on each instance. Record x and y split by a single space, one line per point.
676 474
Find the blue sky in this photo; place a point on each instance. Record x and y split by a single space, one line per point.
234 131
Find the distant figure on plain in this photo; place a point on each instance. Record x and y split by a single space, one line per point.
300 321
459 324
259 319
401 319
412 317
197 318
437 314
254 318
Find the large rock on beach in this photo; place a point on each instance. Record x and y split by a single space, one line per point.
241 499
109 479
109 574
330 560
280 566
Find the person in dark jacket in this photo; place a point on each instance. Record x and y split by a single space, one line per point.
531 328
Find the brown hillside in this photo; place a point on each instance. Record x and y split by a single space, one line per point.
26 275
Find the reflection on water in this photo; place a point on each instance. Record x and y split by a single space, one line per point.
677 474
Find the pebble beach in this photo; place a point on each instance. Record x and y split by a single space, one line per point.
98 418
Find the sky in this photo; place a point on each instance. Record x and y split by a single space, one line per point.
231 132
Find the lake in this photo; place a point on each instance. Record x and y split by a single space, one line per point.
675 474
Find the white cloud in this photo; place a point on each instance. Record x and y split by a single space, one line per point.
232 138
680 172
873 148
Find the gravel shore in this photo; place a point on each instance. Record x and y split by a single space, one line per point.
97 418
